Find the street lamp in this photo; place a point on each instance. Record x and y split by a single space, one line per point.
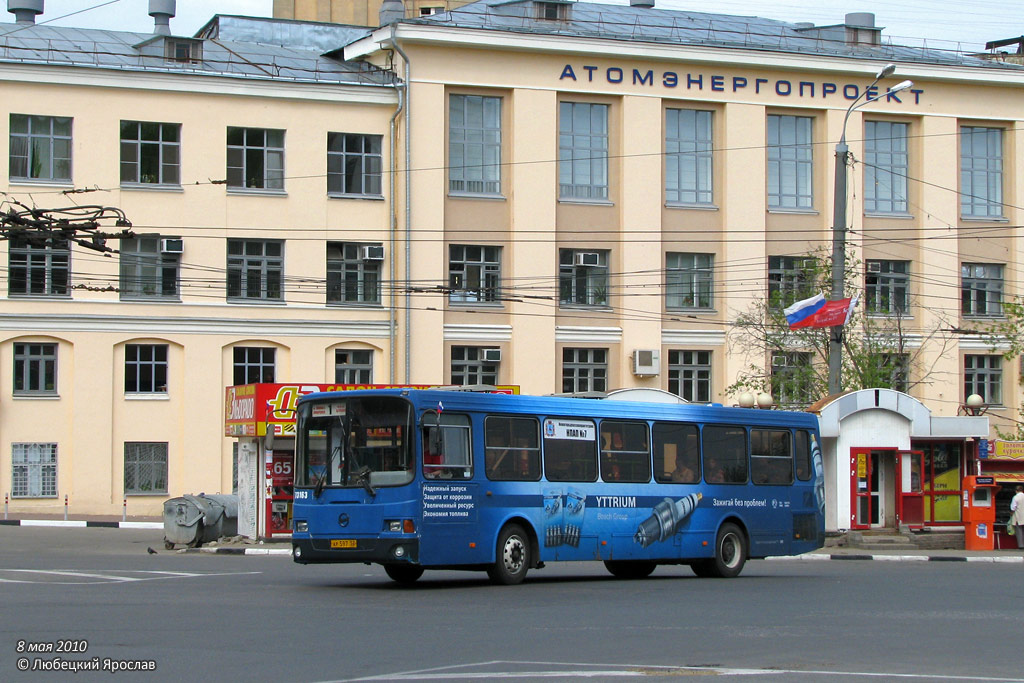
835 347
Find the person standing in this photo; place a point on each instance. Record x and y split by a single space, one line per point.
1017 515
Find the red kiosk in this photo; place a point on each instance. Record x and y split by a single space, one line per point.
979 514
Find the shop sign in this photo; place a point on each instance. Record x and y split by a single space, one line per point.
1007 450
261 409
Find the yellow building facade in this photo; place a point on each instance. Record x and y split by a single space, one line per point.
529 194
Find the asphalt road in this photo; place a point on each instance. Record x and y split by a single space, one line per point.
263 618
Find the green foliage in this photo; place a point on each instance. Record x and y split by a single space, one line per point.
875 349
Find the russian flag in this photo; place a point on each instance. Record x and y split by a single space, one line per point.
817 312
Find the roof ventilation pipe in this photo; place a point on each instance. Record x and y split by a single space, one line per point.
641 3
391 11
162 11
860 19
25 11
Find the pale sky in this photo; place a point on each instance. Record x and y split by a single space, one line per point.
942 23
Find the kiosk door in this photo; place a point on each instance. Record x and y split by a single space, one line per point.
866 486
910 501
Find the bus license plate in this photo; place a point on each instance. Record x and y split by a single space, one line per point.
343 543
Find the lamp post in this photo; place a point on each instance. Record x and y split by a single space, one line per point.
835 347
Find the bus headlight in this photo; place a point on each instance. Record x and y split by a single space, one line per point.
399 551
301 526
394 525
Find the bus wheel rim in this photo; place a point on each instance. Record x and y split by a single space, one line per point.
730 551
513 554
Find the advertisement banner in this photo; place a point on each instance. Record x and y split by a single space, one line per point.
261 409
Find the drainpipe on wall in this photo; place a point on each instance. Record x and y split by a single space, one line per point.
393 219
408 208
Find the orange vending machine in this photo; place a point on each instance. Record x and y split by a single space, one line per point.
979 494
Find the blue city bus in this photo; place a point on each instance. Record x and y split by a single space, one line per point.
416 479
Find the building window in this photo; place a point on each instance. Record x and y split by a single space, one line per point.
891 370
584 370
145 368
688 280
471 365
255 269
983 375
688 178
887 286
790 162
981 289
474 273
353 366
253 364
689 375
885 167
790 279
150 153
583 277
981 172
145 468
474 144
35 369
40 148
582 150
353 273
256 158
149 267
33 470
353 164
39 266
553 11
792 379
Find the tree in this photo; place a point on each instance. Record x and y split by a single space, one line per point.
792 365
1005 336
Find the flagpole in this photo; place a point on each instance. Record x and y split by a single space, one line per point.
835 345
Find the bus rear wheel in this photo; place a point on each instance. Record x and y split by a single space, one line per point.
630 569
403 573
730 554
512 558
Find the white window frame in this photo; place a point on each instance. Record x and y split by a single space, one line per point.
689 177
157 150
146 272
33 470
580 285
583 151
790 162
474 145
584 369
886 167
354 164
46 141
689 375
981 172
474 273
981 290
689 280
137 456
255 159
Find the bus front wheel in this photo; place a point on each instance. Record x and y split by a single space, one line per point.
512 558
403 573
730 554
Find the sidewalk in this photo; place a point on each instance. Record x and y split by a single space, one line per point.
237 545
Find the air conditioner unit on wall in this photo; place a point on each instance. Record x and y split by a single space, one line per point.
646 362
373 252
492 355
172 245
587 258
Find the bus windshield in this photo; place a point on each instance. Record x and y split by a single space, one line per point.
355 442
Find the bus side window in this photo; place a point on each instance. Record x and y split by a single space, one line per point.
725 454
511 448
803 455
676 453
771 457
446 448
625 455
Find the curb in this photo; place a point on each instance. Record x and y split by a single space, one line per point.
898 558
239 551
80 523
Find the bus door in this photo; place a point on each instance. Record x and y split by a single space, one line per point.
451 499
